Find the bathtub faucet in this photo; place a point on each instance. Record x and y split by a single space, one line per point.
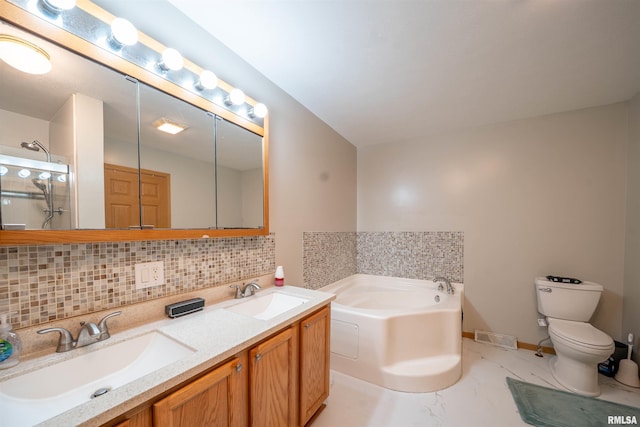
446 281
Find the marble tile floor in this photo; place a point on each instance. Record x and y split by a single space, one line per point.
480 398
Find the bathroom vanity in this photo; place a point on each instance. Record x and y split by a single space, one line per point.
239 369
258 386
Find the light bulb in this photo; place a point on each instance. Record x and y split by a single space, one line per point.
62 178
57 6
123 32
3 170
259 110
23 173
236 97
171 60
44 175
208 80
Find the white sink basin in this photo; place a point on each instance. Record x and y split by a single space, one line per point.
51 390
267 306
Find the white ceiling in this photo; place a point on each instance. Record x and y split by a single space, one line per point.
381 71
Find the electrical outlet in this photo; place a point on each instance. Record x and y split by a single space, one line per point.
542 322
149 274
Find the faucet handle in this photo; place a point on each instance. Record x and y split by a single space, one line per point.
104 328
238 291
251 288
65 343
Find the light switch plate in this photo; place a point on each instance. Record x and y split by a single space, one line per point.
149 274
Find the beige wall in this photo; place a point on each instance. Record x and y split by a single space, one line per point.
631 319
533 197
312 173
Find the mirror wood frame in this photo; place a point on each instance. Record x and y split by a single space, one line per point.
40 27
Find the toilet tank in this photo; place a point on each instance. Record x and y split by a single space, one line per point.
567 301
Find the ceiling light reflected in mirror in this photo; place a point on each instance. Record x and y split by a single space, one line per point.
23 55
168 126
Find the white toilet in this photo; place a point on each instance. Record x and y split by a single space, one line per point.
579 346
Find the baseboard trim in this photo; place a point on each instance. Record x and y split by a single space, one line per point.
524 345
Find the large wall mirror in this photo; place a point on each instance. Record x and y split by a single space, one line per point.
82 157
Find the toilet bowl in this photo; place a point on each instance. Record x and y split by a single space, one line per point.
579 348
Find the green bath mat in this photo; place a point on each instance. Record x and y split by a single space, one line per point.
547 407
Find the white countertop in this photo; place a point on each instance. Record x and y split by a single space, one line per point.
214 333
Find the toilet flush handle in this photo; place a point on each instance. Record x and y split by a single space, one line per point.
546 290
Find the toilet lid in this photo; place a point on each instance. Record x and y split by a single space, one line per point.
580 333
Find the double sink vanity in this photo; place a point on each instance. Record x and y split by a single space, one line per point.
259 360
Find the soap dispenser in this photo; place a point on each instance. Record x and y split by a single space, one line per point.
10 344
279 276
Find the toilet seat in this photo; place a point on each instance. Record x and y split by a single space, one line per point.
581 334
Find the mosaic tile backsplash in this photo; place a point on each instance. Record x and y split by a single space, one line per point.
330 256
47 282
413 255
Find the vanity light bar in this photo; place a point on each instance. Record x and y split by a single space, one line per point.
33 164
86 20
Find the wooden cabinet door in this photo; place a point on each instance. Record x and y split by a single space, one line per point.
273 385
314 362
139 419
216 399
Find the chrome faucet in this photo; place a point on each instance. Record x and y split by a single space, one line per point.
246 290
250 288
441 279
89 333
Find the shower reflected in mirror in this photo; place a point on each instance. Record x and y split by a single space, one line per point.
26 180
46 186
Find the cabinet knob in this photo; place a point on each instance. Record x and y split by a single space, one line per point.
307 326
258 356
239 367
